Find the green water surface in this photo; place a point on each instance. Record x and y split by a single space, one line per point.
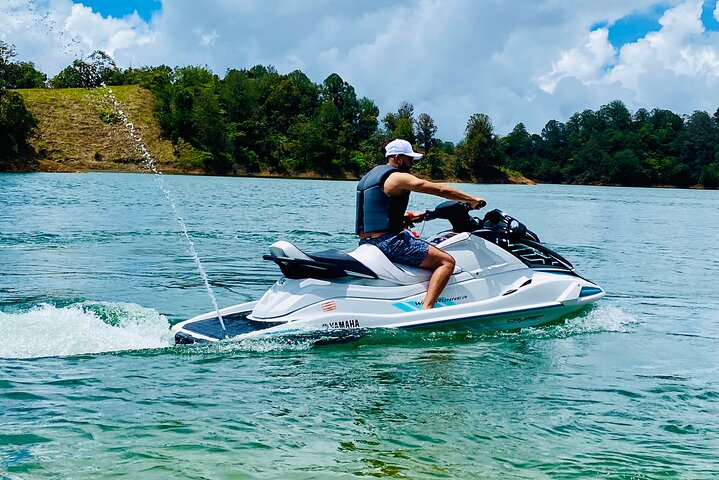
93 271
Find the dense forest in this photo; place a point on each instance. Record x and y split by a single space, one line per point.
259 121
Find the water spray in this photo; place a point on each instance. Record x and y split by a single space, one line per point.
150 163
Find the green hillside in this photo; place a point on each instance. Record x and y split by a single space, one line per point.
78 130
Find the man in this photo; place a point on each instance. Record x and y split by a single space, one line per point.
382 198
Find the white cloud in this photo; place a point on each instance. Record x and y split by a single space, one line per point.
55 32
514 60
676 67
107 34
586 62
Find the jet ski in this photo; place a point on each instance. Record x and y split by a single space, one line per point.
504 279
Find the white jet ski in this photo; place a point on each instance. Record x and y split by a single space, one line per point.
504 279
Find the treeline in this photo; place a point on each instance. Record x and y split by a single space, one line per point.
613 146
260 121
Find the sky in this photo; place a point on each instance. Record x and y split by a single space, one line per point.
513 60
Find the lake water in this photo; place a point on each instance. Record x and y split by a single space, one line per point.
93 272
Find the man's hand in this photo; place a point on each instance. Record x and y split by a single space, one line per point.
477 203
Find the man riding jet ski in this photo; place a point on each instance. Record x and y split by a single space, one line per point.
382 199
489 274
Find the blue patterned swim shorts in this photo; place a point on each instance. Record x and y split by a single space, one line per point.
400 247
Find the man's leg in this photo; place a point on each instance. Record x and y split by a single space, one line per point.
443 265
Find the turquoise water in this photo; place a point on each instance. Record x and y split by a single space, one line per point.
93 271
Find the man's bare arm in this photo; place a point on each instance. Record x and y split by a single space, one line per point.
399 181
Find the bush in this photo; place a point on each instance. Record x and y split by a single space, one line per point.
109 116
709 177
17 124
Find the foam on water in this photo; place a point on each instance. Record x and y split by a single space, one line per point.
256 345
87 327
601 318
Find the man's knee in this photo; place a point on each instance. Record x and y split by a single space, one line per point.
437 258
452 261
443 258
448 261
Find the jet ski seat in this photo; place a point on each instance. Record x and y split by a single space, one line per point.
327 264
365 261
372 257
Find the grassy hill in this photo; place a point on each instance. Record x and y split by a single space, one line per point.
79 130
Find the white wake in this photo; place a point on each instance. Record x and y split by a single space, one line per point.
87 327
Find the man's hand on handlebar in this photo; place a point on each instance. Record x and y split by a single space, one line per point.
477 204
410 218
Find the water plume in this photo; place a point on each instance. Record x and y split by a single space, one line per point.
92 77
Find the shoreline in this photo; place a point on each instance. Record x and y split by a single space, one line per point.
54 166
309 176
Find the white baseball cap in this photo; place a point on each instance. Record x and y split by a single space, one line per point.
401 147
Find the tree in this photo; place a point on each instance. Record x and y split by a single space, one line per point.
18 74
342 95
426 131
623 168
368 115
709 177
238 95
290 96
153 78
480 148
697 143
99 69
104 68
7 53
390 122
329 124
24 75
17 124
404 130
207 121
518 148
406 110
615 115
400 124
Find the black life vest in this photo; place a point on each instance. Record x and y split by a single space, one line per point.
377 211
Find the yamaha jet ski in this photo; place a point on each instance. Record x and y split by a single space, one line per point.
504 278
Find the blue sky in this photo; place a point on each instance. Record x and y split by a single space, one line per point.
121 8
710 23
513 60
637 25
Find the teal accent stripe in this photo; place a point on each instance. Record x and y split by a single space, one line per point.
412 306
405 307
446 303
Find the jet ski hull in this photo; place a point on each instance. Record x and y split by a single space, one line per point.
514 310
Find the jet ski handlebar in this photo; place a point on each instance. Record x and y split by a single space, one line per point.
457 213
